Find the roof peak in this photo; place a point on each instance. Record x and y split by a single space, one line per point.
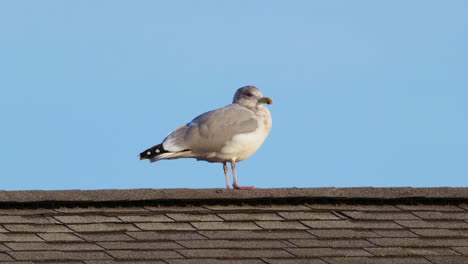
186 197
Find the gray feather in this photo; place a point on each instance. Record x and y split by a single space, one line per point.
210 131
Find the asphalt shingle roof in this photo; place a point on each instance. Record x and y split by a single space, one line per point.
274 226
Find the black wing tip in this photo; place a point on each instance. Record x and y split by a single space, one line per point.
143 156
152 152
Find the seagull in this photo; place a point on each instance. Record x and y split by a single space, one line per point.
229 134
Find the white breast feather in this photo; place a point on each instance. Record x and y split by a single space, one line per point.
242 146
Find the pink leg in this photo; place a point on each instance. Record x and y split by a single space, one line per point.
226 174
234 175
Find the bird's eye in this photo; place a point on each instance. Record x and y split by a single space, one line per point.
249 94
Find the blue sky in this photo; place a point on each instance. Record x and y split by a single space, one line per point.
367 93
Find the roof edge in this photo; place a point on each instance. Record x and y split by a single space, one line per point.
184 197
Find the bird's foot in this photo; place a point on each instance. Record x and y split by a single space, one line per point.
243 187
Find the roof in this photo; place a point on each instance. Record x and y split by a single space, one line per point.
274 226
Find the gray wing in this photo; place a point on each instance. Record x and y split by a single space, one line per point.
210 131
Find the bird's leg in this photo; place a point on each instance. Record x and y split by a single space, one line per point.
226 174
234 176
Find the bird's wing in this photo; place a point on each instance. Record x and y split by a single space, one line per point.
210 131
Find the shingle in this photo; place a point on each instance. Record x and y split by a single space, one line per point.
214 261
308 215
261 234
122 262
353 207
40 211
231 244
25 219
102 210
225 225
294 261
165 226
424 207
3 230
441 232
145 218
332 243
140 245
55 262
376 215
355 224
395 242
102 227
394 233
400 251
419 242
85 255
17 237
234 253
249 216
3 248
176 209
328 252
440 242
462 250
447 259
281 225
257 208
165 235
86 219
24 246
377 260
432 224
57 255
443 215
33 228
105 236
187 217
143 254
78 210
64 237
5 257
342 233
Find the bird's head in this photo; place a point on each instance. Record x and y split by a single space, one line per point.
250 96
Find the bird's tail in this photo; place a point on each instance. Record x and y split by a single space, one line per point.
154 153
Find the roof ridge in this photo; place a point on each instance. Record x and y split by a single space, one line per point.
187 197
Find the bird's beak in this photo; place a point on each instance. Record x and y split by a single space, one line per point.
265 100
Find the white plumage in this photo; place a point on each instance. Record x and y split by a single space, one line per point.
229 134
